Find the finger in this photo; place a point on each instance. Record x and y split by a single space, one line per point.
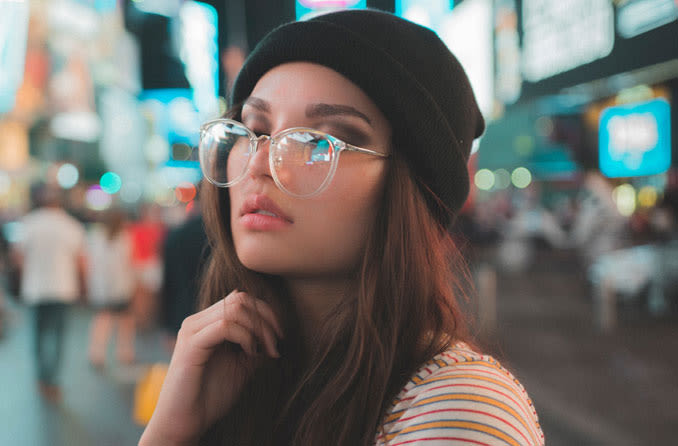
201 319
242 309
236 301
261 329
217 332
260 307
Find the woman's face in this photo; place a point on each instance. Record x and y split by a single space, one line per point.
324 234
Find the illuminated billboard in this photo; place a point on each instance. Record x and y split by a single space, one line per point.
561 35
466 29
635 139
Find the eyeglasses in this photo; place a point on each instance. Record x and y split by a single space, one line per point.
302 160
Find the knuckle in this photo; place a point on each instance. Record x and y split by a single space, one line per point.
187 323
240 305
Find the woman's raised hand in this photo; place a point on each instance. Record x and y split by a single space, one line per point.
208 371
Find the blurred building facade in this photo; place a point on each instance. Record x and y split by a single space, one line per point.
105 97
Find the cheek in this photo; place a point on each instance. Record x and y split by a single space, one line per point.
338 225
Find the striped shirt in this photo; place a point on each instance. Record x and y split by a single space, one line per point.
461 397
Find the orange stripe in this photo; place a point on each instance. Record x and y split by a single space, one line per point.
478 398
466 375
455 424
466 397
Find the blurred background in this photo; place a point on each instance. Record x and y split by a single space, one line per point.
571 229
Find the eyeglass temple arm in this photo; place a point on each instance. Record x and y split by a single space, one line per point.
353 148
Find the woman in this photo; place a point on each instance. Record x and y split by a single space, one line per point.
330 306
111 283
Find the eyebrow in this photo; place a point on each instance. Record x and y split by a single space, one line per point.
257 103
313 110
321 110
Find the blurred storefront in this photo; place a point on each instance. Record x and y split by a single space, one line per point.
104 99
91 87
585 87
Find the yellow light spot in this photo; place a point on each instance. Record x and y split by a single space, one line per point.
484 179
647 196
624 197
521 177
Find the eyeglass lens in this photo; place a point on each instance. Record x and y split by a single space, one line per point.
301 160
224 153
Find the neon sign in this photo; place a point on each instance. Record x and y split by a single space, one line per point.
635 139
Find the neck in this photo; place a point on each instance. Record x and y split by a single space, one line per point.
314 299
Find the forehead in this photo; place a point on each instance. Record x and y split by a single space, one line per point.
302 83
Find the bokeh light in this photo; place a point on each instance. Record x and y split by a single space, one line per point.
68 176
624 197
647 196
185 192
523 145
157 149
484 179
521 177
97 199
502 179
110 182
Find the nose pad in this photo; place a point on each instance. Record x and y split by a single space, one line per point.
259 161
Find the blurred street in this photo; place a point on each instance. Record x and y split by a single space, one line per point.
97 406
589 388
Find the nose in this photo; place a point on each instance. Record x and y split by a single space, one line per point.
259 162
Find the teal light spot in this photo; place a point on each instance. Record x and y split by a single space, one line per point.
110 182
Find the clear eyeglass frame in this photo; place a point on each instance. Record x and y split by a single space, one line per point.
337 146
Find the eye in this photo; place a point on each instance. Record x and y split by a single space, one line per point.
347 133
256 123
259 133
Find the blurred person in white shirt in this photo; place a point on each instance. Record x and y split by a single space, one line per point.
51 258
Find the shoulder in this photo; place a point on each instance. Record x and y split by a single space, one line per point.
462 397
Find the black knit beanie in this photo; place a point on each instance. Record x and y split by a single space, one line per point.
407 71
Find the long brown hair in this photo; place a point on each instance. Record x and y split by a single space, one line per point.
404 310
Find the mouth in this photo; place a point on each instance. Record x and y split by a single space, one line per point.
264 206
261 212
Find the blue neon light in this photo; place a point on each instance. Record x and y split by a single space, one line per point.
635 139
429 13
306 9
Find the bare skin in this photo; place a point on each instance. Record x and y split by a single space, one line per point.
201 364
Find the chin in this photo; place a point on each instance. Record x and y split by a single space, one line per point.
295 266
263 260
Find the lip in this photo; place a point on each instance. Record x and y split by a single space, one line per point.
252 220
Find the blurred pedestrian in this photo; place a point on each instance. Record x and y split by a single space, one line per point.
598 227
111 284
330 310
184 254
51 255
148 235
